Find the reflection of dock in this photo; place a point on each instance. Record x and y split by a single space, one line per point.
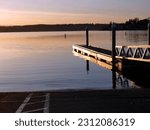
98 62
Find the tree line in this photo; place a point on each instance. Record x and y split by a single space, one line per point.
131 24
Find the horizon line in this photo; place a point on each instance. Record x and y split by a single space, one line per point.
107 23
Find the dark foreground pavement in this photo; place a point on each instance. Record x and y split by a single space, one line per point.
86 101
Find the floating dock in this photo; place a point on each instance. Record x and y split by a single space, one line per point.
138 54
131 61
94 52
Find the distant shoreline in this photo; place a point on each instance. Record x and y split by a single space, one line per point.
57 27
128 25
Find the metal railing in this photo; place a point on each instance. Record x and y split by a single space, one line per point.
139 51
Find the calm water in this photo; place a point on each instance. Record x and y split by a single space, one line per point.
44 61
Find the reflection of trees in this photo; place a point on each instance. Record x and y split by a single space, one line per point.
136 36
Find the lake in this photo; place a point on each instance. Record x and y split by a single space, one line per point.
43 61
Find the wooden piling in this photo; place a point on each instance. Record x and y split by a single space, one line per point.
114 55
87 36
149 33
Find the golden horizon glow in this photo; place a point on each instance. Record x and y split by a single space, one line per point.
8 17
27 12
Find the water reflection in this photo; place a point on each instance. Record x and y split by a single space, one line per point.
127 76
114 76
124 78
136 36
122 81
43 61
87 66
118 80
139 72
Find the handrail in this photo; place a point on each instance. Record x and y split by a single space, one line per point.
139 51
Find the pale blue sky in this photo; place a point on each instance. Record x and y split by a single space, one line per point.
71 11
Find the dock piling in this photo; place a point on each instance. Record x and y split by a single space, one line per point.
114 55
149 33
87 36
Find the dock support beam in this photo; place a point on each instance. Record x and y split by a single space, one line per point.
114 55
149 33
87 36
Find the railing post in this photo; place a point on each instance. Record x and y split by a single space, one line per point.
149 33
87 36
114 55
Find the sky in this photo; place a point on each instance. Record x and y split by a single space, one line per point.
23 12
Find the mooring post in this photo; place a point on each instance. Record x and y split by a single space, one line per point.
149 33
87 36
114 55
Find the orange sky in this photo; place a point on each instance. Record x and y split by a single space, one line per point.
22 12
8 17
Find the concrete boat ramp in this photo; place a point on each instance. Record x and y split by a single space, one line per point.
81 101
